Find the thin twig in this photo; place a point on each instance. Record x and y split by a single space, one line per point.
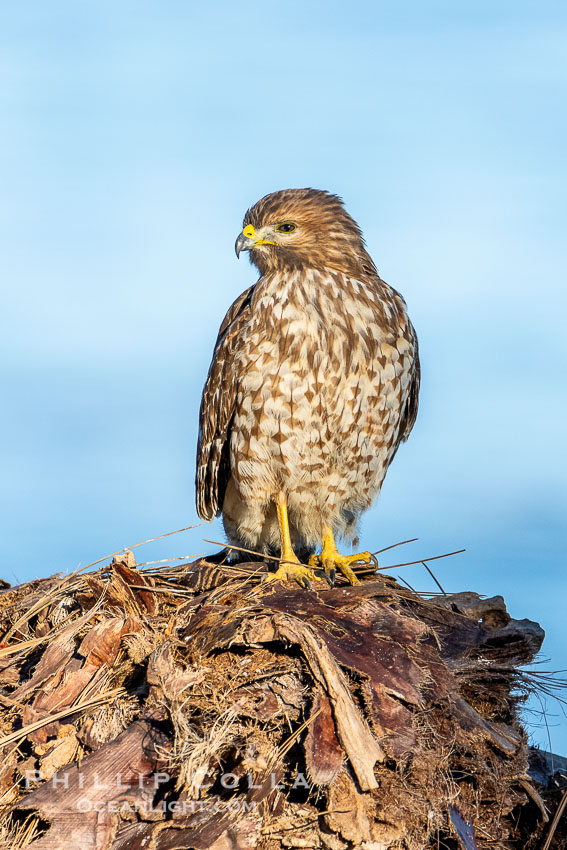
393 546
246 578
64 581
411 563
189 558
408 585
135 546
434 579
20 734
260 555
289 742
555 821
274 558
171 590
32 642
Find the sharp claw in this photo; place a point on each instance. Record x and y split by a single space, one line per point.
328 575
306 584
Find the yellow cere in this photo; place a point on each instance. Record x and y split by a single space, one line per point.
250 232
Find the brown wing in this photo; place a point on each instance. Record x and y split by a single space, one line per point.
409 414
217 409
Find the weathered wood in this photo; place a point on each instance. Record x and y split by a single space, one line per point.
364 716
324 755
75 801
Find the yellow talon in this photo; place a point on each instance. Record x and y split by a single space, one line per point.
293 572
330 560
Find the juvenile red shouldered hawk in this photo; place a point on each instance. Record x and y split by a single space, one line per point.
313 384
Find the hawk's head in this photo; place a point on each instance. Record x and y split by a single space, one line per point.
298 228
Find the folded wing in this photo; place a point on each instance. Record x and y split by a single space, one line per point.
217 410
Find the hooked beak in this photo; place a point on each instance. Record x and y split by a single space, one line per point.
243 243
249 239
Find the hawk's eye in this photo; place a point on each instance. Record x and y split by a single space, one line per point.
286 227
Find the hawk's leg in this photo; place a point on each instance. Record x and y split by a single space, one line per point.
290 566
330 560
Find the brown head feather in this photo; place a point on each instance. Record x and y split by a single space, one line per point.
326 235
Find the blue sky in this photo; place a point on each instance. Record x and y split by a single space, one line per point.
134 136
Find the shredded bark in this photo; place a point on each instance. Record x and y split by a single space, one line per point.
197 707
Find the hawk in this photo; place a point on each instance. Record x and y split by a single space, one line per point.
313 384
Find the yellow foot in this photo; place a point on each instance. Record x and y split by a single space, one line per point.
293 572
290 569
330 560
